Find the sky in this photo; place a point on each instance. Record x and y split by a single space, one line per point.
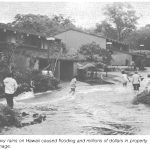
84 14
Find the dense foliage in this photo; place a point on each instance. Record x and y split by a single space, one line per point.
122 16
93 52
140 37
106 29
41 24
41 83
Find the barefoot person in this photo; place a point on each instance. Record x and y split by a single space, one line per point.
10 88
136 82
125 78
73 85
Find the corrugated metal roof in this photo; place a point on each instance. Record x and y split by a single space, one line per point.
102 36
77 30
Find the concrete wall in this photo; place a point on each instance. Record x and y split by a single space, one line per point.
121 59
74 40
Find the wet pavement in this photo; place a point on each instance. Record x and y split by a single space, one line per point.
94 110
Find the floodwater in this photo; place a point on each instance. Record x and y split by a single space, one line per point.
94 110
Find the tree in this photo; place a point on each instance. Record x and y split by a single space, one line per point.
138 37
122 17
60 20
9 54
41 23
106 29
93 52
90 51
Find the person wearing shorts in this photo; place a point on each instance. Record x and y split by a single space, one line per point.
136 87
73 85
125 79
136 81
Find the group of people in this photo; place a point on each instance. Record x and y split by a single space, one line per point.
136 81
10 85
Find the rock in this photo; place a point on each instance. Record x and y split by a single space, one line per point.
24 114
33 119
35 115
26 121
39 119
25 124
44 117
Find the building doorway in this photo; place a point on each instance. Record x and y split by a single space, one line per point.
66 70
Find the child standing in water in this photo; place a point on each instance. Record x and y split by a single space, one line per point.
73 85
125 78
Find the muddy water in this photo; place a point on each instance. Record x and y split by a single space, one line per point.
94 110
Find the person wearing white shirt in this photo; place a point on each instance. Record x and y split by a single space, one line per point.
10 88
125 78
73 85
136 81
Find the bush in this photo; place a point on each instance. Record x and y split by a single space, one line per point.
9 117
43 83
23 80
24 87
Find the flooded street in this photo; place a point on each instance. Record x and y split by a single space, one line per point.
94 110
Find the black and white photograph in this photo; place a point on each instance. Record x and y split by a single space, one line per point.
74 68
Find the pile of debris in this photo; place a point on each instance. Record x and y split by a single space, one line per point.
15 118
143 98
30 119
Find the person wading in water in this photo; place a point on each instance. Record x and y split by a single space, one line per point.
125 78
73 85
136 82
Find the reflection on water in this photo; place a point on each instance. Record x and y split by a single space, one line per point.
100 109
